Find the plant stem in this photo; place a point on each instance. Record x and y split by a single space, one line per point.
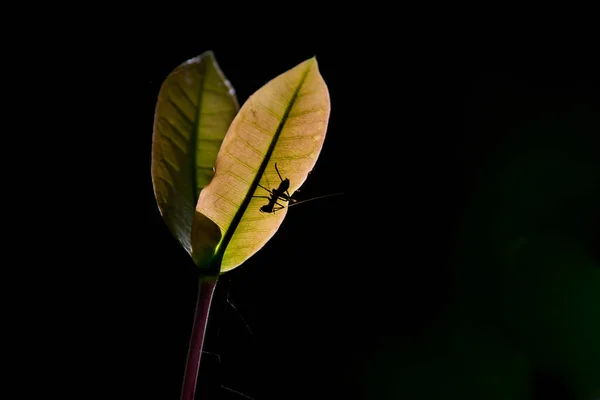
206 288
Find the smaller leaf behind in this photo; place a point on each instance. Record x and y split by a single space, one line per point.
282 123
195 107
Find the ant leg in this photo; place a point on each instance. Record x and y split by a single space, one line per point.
277 209
278 172
284 197
262 197
287 197
265 189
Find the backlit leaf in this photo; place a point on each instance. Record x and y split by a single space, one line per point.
195 107
284 122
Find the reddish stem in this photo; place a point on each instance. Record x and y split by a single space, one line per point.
206 289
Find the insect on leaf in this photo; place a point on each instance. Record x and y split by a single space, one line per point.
196 105
284 122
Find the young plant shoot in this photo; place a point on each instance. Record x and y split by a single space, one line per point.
212 164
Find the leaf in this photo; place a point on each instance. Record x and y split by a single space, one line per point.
196 105
284 122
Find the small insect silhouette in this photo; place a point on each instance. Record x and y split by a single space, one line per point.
276 194
282 193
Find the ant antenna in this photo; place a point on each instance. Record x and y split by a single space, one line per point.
276 169
314 198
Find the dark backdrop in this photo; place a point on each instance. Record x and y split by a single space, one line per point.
452 156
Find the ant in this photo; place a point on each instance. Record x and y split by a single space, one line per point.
282 192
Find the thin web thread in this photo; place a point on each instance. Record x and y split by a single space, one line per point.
228 301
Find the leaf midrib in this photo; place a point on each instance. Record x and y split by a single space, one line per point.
194 138
222 246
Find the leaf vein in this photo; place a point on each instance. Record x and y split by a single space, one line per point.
182 113
185 95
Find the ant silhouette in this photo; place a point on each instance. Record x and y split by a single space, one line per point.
282 193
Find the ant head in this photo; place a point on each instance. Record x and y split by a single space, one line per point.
264 209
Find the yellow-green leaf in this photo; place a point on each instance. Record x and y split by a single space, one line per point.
284 122
195 107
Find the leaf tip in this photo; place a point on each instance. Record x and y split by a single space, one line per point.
208 54
313 62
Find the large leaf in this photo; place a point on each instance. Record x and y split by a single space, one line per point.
284 122
195 107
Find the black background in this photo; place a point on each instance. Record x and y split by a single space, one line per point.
327 285
414 122
344 275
